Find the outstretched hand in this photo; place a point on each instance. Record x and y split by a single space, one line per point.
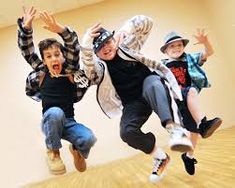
50 23
119 37
28 17
201 37
93 31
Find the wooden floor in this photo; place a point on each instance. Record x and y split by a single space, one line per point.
215 169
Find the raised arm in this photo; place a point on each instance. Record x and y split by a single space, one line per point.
136 31
25 38
202 38
91 64
70 38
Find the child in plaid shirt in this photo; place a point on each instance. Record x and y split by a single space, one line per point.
52 82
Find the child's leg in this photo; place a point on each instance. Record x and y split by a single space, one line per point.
194 139
159 98
52 127
206 127
193 105
81 138
188 158
160 163
190 124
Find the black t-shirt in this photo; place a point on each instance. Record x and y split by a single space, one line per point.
58 92
180 71
127 78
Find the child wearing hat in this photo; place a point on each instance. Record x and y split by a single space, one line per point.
191 79
127 86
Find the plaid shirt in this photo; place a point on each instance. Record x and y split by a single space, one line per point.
71 65
198 76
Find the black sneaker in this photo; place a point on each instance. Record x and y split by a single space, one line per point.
207 128
189 164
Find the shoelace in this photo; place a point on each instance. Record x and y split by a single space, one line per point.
180 131
194 161
157 164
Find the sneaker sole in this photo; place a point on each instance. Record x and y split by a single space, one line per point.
154 179
215 126
182 145
181 148
58 172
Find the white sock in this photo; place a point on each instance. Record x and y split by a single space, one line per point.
189 155
199 122
169 127
159 154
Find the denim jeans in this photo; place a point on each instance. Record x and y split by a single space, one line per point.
56 126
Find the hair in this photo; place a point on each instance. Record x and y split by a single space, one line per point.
48 43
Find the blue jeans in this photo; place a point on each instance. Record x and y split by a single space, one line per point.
56 126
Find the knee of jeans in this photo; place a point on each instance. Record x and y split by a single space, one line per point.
86 142
156 86
90 140
55 112
125 134
152 88
152 80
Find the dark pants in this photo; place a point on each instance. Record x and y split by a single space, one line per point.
189 122
136 113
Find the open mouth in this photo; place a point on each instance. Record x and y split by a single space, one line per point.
55 67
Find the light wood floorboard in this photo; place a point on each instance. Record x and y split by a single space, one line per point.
215 169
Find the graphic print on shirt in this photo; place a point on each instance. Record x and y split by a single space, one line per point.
180 75
179 69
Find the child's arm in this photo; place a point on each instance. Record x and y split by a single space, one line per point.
25 38
136 31
202 38
92 68
70 38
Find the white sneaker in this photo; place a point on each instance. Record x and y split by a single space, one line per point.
159 168
179 140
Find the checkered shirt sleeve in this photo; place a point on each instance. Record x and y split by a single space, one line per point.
26 45
71 50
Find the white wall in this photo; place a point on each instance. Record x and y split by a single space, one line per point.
22 147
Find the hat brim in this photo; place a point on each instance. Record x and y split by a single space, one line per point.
185 42
102 44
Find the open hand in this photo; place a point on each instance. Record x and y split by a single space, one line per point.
28 17
94 30
50 23
119 37
201 37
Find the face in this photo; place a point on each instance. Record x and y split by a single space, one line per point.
175 49
108 50
53 59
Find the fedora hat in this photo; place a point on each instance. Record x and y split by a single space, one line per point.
99 41
172 37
